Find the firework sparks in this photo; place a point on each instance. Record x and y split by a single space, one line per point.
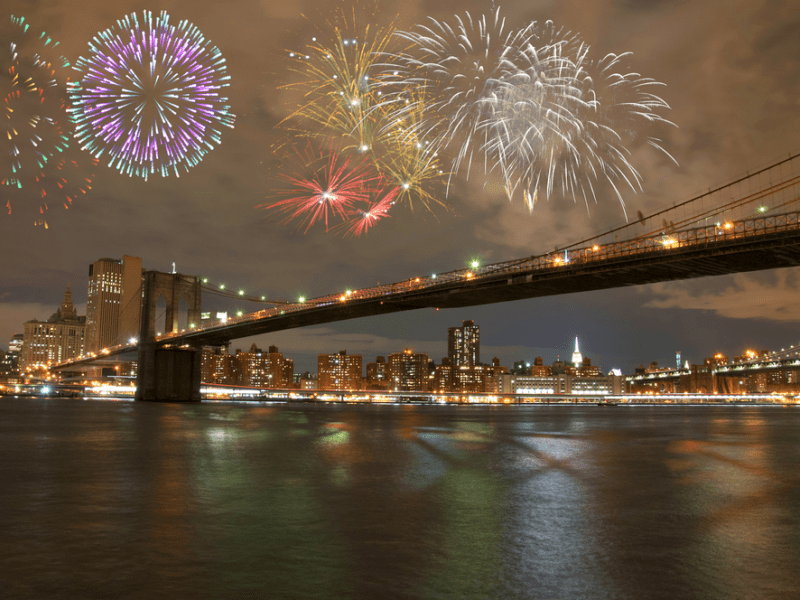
322 185
364 219
149 96
342 104
528 101
42 167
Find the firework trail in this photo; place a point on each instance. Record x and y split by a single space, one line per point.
320 185
149 96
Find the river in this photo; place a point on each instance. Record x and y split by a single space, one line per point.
117 499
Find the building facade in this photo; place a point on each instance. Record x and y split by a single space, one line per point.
59 338
464 344
113 302
408 371
341 371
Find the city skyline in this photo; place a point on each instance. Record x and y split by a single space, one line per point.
736 115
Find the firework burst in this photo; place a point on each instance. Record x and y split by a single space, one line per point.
528 101
458 68
150 96
363 219
321 185
342 104
565 126
42 168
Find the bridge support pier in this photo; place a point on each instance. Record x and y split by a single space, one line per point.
168 374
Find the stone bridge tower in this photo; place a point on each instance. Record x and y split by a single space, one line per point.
168 374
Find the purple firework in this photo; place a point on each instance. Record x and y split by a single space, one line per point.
149 95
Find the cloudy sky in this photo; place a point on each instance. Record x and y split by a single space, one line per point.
732 75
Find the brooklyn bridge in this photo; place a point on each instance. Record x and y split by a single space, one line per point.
750 224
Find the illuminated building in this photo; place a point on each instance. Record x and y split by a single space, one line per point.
9 364
340 371
265 369
577 358
59 338
464 344
113 302
473 379
408 371
443 377
562 384
539 369
378 374
587 370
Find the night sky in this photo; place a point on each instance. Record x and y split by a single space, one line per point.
732 75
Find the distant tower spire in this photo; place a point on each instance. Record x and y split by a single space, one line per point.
577 358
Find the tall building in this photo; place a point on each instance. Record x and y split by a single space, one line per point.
340 371
59 338
408 372
113 302
464 345
577 357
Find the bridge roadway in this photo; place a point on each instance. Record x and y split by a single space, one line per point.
752 244
757 243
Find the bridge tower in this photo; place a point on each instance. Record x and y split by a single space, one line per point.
168 374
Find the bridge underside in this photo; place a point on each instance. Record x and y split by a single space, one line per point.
769 251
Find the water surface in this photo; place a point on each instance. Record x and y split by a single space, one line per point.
116 499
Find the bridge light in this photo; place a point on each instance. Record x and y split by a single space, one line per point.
241 292
433 276
132 340
205 280
595 248
762 209
302 299
475 264
728 225
239 313
348 292
222 286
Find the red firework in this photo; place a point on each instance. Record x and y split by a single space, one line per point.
365 219
325 186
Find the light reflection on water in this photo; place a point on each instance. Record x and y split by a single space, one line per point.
127 500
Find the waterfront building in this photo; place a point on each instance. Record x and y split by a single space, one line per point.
59 338
539 369
341 371
113 302
587 369
9 364
408 371
464 344
265 369
473 379
442 377
561 384
378 374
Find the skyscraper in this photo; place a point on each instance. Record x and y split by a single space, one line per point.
113 302
464 345
577 357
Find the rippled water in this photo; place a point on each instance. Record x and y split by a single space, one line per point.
106 499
